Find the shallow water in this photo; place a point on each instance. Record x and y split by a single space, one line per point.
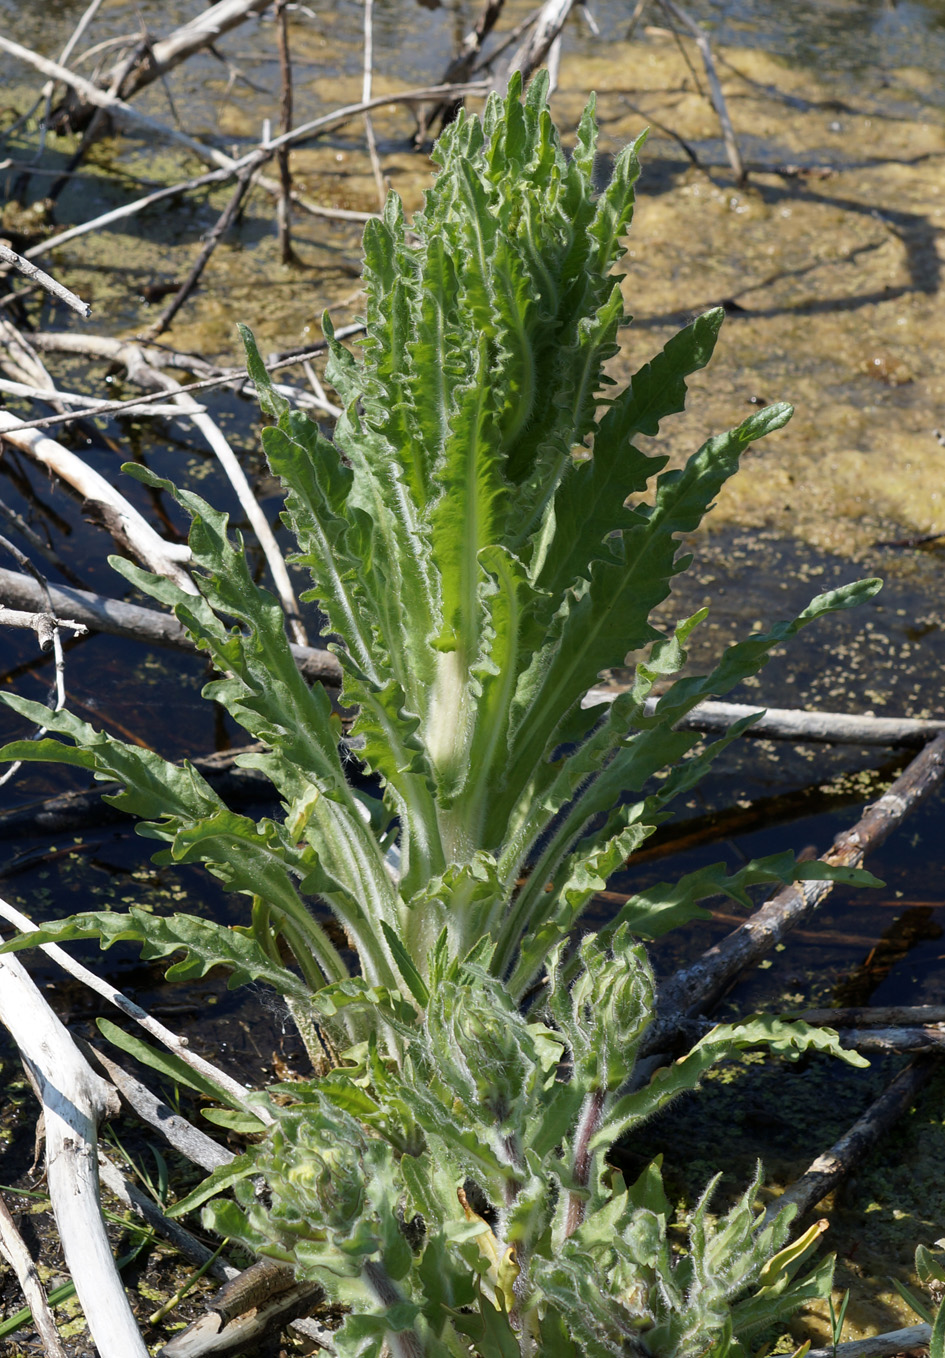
829 264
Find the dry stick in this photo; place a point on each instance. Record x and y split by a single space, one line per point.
894 1039
14 1250
157 1030
88 403
43 624
100 346
695 988
159 555
111 1177
715 87
879 1016
880 1345
251 506
129 117
223 224
792 723
365 98
45 281
268 1307
284 204
199 1148
183 42
534 49
142 371
150 625
828 1169
74 1100
460 68
228 168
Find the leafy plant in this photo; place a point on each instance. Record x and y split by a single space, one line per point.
485 539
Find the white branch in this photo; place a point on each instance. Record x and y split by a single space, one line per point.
74 1101
159 555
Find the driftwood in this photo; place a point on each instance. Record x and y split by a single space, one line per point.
151 1026
791 723
880 1345
13 1249
199 1148
828 1169
460 68
166 53
695 988
45 281
880 1016
159 555
536 45
263 1298
147 1210
715 87
101 614
74 1100
101 346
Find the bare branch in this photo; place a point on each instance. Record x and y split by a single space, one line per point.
45 280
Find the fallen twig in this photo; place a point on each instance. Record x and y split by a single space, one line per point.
74 1101
880 1016
45 280
880 1345
135 532
695 988
199 1148
715 86
262 1299
143 1207
828 1169
104 346
284 203
133 1011
792 723
101 614
368 70
538 42
211 240
14 1250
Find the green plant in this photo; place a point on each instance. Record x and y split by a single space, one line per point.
479 539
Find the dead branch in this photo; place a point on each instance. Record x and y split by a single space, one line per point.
143 1207
881 1016
157 1030
835 1164
791 723
74 1100
880 1345
901 1039
142 371
284 204
103 346
368 71
164 557
45 280
43 624
14 1250
161 57
199 1148
533 50
101 614
695 988
715 87
89 404
459 69
263 1299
